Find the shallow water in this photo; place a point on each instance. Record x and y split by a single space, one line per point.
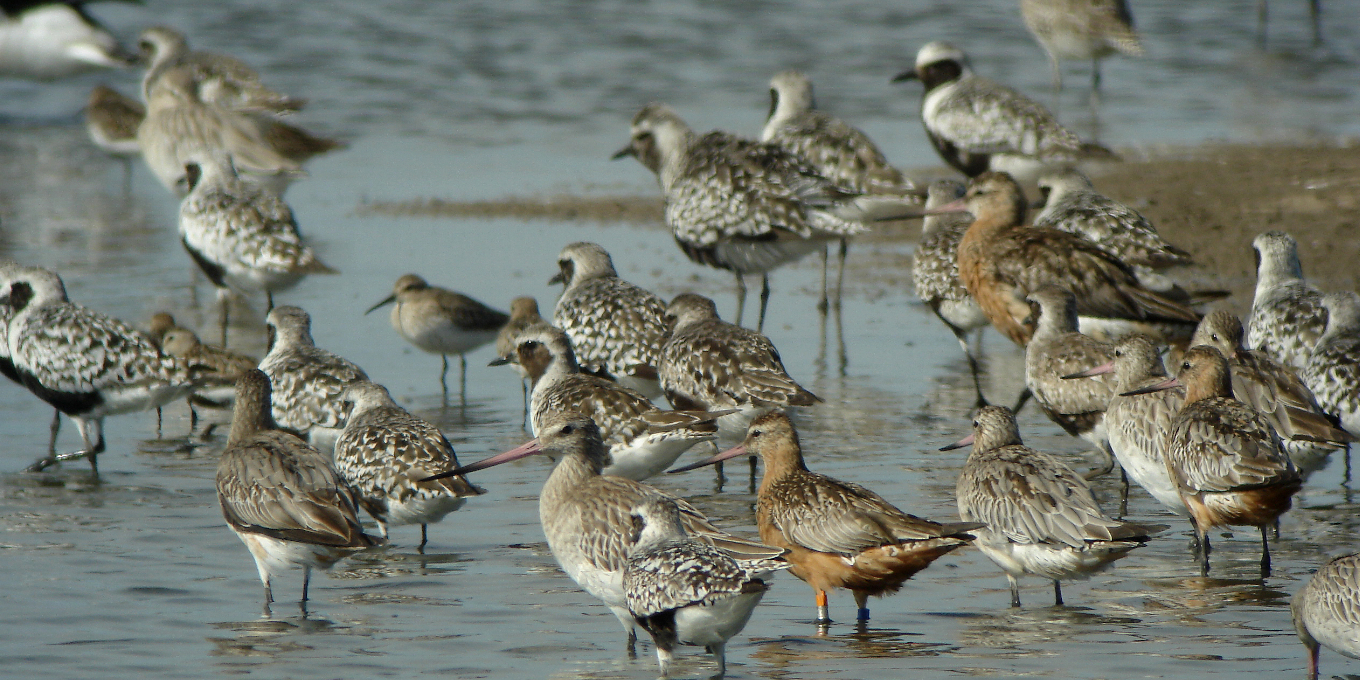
135 573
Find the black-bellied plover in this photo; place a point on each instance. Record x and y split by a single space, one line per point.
1333 367
1326 610
308 381
281 496
737 204
616 328
978 125
384 452
45 40
440 321
686 592
1287 316
837 534
1041 517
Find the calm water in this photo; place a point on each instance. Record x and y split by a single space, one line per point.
136 575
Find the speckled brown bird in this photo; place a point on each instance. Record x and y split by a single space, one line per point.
1224 457
1001 261
1326 610
838 534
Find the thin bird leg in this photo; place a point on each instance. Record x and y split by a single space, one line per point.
462 379
973 367
823 609
764 301
1204 550
444 378
159 421
1095 83
719 652
1265 554
1022 400
55 428
1015 590
1315 13
306 581
840 271
824 304
741 297
424 536
1057 593
1123 492
861 605
225 319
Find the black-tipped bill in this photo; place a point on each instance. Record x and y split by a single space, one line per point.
1103 369
386 301
624 152
500 361
524 450
1158 387
966 441
725 455
905 76
558 278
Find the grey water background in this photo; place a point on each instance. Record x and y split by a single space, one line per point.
135 574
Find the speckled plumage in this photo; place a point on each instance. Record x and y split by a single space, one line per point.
1326 610
217 78
384 452
615 327
935 264
1287 316
684 591
586 516
643 440
1058 349
708 364
978 125
1333 367
84 363
1041 517
243 237
281 496
308 381
215 369
1073 205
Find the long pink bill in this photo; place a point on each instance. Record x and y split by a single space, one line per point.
966 441
524 450
725 455
1158 387
1103 369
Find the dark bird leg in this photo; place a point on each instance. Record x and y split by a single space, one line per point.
444 378
1315 13
1015 591
824 304
462 380
764 301
55 428
1265 554
1123 492
840 271
159 422
306 581
1057 593
1022 400
424 537
741 297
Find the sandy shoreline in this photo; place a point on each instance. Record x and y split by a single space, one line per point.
1211 200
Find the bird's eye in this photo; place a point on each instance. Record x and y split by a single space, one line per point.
1118 353
756 433
975 423
568 429
1214 336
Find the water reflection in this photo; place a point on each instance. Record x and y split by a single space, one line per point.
270 638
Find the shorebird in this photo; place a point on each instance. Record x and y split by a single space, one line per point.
978 125
1072 204
643 440
281 496
837 534
308 381
84 363
523 314
242 236
1326 610
8 270
1001 261
586 515
1333 367
440 321
1274 390
1137 422
935 271
215 369
383 454
1287 316
1223 456
1058 349
737 204
217 78
1040 516
111 119
686 592
44 40
1081 29
179 125
709 365
837 151
616 328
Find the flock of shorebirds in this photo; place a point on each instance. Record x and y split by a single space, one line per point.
1086 288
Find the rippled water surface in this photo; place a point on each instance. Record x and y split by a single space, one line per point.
135 574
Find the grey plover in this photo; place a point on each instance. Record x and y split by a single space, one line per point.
686 592
440 321
616 328
585 515
8 270
47 40
935 271
84 363
710 365
737 204
217 78
1223 456
1001 261
281 496
1137 422
1275 391
242 236
837 534
383 454
1326 610
308 381
1287 316
1081 29
1058 349
1333 367
978 125
837 151
643 440
1041 517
